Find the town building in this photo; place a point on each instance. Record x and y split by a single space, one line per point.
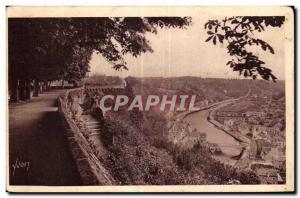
229 113
279 159
267 176
244 128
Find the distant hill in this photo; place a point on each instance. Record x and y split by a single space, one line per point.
212 89
103 80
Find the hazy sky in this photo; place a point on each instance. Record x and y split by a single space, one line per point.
184 52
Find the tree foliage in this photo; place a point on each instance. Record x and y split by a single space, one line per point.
238 34
60 48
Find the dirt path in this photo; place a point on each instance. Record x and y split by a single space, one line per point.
38 151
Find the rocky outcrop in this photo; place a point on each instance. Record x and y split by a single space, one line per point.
182 134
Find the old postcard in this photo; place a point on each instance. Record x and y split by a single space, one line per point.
150 99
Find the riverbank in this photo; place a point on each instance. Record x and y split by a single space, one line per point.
230 144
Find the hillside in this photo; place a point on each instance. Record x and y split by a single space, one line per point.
138 145
205 88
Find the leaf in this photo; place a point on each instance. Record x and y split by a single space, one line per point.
271 49
220 37
273 77
215 40
205 25
216 28
238 33
208 39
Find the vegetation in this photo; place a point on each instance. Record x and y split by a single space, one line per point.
103 80
140 152
238 33
47 49
136 160
209 89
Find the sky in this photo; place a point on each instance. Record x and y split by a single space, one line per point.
184 52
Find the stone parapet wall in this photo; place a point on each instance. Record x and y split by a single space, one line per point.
89 167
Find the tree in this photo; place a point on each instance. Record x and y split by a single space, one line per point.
238 33
115 37
46 49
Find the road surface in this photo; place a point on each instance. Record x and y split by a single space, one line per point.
38 151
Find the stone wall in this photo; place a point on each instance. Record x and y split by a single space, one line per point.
89 167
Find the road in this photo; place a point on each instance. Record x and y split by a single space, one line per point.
38 151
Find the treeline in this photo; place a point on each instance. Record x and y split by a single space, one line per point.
41 50
103 80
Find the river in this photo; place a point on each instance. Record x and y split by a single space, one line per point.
229 146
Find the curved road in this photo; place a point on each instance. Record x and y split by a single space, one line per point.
38 151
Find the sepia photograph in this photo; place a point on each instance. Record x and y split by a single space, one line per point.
150 99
